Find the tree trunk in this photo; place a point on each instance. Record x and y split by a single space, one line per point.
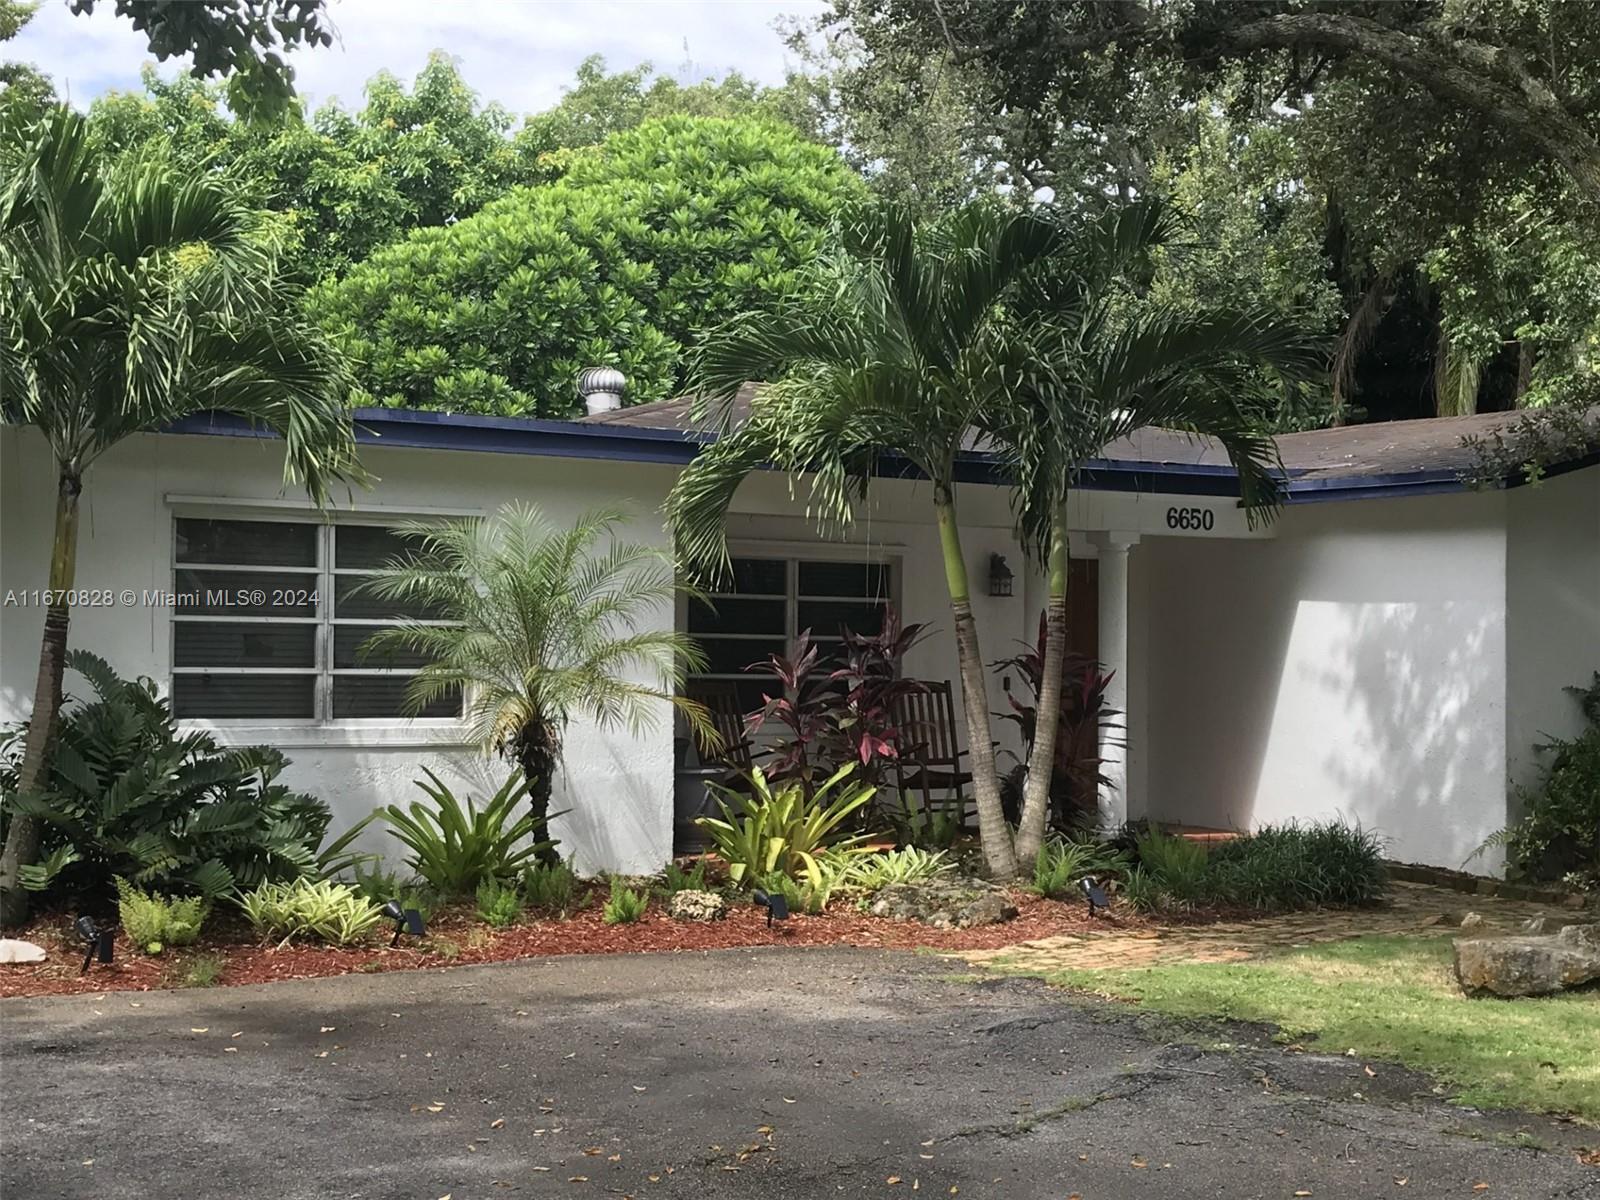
22 838
537 755
994 834
1047 717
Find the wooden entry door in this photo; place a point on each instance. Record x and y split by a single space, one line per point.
1083 608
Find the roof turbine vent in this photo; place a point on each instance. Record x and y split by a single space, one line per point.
601 389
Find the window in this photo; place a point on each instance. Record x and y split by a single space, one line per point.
771 600
268 621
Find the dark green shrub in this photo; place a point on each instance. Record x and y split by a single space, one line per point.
1558 836
1176 864
456 846
1325 864
499 904
1279 868
125 794
550 889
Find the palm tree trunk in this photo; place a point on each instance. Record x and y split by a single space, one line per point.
536 755
1047 717
994 834
22 838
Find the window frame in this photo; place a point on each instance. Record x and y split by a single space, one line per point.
886 555
326 524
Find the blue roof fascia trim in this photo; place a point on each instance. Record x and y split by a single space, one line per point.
410 429
427 430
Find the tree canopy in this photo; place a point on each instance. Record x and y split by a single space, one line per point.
657 233
1424 173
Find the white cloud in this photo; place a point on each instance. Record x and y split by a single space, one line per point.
518 52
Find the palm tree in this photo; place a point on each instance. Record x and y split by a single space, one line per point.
908 340
132 293
540 625
1110 362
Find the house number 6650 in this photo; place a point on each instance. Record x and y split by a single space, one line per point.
1190 518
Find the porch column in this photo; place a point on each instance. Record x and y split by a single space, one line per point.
1113 572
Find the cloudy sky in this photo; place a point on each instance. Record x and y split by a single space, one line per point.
518 52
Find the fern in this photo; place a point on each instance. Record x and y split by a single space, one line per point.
153 922
624 906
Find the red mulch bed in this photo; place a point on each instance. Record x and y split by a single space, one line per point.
456 938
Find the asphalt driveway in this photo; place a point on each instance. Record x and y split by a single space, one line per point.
758 1074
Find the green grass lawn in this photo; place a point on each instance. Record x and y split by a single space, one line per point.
1392 998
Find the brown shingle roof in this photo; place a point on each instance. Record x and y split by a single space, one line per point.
1348 451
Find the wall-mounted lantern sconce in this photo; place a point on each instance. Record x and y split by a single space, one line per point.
1000 576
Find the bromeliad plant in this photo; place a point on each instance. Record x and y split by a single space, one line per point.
457 846
786 830
125 794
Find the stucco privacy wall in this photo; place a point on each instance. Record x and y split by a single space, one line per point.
1552 611
618 787
1352 666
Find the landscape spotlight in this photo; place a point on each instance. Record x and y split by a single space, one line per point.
96 941
406 920
1094 894
777 906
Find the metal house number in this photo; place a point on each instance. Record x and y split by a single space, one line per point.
1191 518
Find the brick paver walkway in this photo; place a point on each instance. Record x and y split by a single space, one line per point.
1411 908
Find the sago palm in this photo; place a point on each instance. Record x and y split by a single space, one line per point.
913 338
536 625
133 292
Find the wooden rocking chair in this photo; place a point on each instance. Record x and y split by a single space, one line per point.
930 759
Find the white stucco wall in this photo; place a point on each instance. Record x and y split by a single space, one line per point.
1552 611
617 786
1352 666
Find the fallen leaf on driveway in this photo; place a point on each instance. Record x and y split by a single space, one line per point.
788 1099
328 1028
1401 1180
892 1180
1480 1187
577 1179
498 1123
200 1029
1302 1192
1371 1074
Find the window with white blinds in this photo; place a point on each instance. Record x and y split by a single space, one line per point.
268 621
769 601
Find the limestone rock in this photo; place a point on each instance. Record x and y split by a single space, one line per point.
690 905
1472 920
1529 965
14 951
944 903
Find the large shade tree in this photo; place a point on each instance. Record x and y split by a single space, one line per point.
910 339
134 292
645 240
1430 166
541 624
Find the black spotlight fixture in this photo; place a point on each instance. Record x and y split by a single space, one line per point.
1094 894
96 941
406 920
777 906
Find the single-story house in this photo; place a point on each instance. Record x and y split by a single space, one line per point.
1389 650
